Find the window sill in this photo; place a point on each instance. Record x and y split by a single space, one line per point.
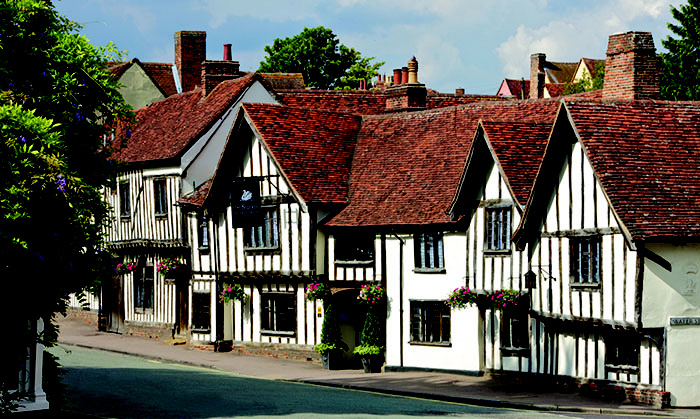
161 216
419 343
201 331
277 333
508 351
125 218
575 286
354 262
203 249
261 250
622 368
429 270
498 253
143 310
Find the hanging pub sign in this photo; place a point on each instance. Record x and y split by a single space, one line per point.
245 202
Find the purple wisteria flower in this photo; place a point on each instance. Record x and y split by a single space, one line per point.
61 183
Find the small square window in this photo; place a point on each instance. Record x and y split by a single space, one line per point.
515 332
428 251
278 313
430 322
622 352
585 260
498 229
160 195
355 247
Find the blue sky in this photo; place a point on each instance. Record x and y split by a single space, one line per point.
470 44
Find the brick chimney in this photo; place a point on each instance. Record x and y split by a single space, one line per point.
215 72
631 67
537 63
190 51
409 96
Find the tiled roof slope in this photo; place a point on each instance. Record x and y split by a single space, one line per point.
555 89
358 102
280 81
162 75
559 72
519 88
407 167
646 155
164 128
197 197
442 100
313 148
590 64
519 147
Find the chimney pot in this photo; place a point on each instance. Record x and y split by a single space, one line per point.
412 70
459 91
404 75
397 76
227 52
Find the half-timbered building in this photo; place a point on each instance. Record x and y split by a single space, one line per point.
611 230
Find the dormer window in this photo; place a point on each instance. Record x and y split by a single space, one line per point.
354 248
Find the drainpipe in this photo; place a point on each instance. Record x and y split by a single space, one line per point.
219 305
402 243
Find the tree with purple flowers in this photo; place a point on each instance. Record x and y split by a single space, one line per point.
57 103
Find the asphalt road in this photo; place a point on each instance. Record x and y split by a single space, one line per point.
120 386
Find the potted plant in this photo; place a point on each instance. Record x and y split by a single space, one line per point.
317 290
232 292
168 267
371 349
332 346
507 299
126 267
461 298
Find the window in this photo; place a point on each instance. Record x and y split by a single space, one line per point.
160 195
498 225
515 336
622 352
428 251
203 232
585 260
143 286
430 322
278 313
265 235
201 309
124 200
356 247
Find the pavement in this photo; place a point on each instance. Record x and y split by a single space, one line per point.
480 391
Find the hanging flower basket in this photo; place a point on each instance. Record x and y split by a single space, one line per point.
317 291
371 294
232 292
168 266
125 268
461 298
507 299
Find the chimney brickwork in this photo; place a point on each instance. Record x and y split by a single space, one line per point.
631 68
215 72
190 52
537 62
407 95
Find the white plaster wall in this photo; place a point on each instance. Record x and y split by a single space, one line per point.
138 89
675 293
683 365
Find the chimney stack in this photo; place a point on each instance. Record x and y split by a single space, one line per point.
631 70
537 62
407 94
190 51
215 72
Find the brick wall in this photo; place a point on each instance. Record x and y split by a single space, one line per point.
406 97
631 70
214 72
190 52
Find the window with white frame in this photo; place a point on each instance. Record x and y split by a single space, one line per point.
515 332
160 196
143 286
585 260
430 322
201 311
428 251
498 228
278 313
124 200
266 234
203 232
622 351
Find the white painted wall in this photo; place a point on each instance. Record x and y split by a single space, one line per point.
138 89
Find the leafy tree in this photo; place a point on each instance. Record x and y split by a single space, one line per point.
680 66
588 83
321 58
57 104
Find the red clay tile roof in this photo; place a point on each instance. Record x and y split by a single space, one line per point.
197 197
407 167
442 100
281 81
555 89
591 63
313 148
647 157
519 147
162 75
520 89
358 102
166 127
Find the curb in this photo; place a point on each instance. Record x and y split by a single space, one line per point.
475 401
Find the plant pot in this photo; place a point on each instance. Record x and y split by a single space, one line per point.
332 360
372 363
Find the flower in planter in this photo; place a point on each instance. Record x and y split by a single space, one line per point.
461 297
126 267
168 265
317 291
371 294
505 299
232 292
